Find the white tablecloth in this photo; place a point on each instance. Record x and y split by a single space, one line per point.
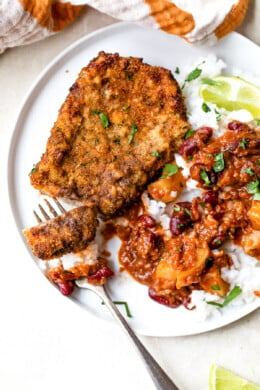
45 340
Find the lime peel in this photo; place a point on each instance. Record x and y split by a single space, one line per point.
232 93
222 379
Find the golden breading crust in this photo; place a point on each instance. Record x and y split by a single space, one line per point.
119 125
69 232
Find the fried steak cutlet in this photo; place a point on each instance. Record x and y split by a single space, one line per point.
69 232
119 125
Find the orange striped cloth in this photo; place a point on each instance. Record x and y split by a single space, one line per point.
26 21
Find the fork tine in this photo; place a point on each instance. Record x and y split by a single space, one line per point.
59 205
54 213
37 216
46 216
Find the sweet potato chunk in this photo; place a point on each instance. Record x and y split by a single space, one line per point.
254 214
213 283
182 264
166 189
251 243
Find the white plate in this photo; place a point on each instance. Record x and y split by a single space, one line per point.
36 118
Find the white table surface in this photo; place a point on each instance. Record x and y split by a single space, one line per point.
45 340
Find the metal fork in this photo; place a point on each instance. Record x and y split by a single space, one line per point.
159 377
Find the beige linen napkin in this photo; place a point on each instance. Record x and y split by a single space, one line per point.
26 21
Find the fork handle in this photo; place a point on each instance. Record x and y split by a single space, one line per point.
160 378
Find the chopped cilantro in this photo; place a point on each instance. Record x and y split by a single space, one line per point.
232 295
209 261
170 169
177 248
134 129
219 162
215 287
94 112
194 74
249 171
125 108
176 208
32 170
204 176
104 120
218 242
128 313
129 75
205 107
253 188
218 115
187 211
179 225
189 133
177 70
189 157
156 154
243 143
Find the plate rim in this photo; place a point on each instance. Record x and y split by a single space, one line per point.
14 136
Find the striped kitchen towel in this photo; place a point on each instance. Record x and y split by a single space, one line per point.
197 21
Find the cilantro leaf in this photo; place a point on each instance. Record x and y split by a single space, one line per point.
204 176
249 171
219 162
215 287
134 129
253 187
156 154
104 120
194 74
170 169
189 133
243 143
232 295
205 107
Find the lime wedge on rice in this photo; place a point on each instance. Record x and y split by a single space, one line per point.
222 379
231 93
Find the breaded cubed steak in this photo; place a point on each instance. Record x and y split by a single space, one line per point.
119 125
69 232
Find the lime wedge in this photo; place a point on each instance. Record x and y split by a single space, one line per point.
231 93
222 379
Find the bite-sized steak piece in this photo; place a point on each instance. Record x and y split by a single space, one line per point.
121 122
69 232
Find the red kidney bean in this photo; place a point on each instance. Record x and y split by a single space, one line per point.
236 126
66 288
205 133
232 146
104 272
178 224
162 300
188 147
213 177
211 197
147 220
